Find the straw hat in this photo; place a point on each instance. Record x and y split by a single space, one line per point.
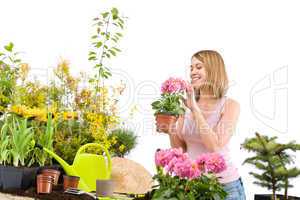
130 177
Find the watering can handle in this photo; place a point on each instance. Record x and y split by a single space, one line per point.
84 147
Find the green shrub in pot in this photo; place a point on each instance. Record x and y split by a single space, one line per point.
273 160
122 142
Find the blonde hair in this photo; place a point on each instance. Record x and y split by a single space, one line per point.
216 76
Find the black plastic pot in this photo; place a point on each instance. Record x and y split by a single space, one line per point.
269 197
29 177
17 177
0 176
11 177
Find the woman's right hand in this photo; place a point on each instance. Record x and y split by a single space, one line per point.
190 101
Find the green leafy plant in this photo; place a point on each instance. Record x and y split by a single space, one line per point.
9 56
68 149
45 139
272 159
123 141
169 104
22 141
18 137
69 137
4 145
206 187
8 74
108 31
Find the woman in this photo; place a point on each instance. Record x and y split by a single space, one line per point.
211 118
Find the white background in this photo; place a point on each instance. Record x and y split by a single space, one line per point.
259 41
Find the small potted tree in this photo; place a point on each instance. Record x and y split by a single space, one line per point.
170 105
272 159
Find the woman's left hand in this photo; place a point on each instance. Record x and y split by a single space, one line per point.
190 100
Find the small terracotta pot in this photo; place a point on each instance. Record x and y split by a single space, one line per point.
71 181
44 184
165 123
53 173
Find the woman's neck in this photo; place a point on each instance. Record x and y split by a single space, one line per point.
206 95
207 99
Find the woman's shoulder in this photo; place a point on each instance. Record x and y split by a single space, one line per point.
230 104
231 101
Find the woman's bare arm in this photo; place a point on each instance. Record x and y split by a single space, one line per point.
175 140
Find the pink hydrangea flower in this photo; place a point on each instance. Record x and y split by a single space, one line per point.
177 163
211 162
173 162
173 85
187 169
163 157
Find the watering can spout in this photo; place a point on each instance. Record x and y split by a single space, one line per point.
68 168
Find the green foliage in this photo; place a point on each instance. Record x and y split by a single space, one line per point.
80 115
18 138
272 159
109 27
108 31
8 74
123 141
67 149
206 187
22 141
36 94
70 135
169 104
69 138
8 56
45 139
4 144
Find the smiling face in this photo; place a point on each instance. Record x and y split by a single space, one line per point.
197 73
208 74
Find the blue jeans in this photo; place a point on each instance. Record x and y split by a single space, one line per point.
235 190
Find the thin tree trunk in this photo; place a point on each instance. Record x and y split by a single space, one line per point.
274 192
286 189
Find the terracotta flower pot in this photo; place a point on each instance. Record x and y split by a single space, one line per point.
44 184
53 173
71 181
165 123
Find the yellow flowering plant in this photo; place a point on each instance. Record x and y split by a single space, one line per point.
83 108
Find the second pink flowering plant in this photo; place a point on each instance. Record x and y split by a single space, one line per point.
180 177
